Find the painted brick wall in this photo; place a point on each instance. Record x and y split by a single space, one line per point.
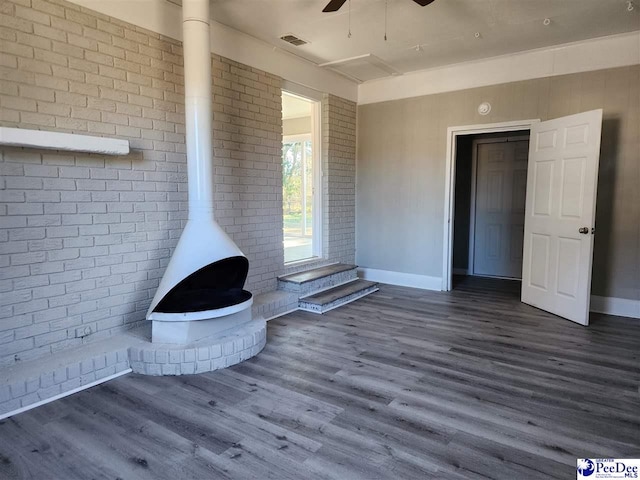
84 239
247 139
339 168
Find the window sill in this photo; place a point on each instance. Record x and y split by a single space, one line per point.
299 265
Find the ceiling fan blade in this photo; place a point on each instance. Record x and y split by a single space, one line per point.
423 3
334 5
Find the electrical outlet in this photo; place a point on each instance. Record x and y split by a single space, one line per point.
85 331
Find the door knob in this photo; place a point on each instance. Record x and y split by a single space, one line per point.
583 230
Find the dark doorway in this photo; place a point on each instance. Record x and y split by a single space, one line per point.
489 205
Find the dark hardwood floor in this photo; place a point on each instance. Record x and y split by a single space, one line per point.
401 384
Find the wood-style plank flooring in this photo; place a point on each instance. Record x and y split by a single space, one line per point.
401 384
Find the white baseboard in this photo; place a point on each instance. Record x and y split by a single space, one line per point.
64 394
401 279
622 307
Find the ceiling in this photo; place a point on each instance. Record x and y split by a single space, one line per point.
294 107
443 33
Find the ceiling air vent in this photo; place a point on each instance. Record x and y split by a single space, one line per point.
293 40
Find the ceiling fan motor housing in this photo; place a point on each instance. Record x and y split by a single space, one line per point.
335 5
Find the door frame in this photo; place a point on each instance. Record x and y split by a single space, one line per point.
472 207
450 181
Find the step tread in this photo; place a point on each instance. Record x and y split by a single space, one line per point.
335 293
316 273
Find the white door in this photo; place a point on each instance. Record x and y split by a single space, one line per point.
501 181
560 214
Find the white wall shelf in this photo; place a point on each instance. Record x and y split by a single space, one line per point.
22 137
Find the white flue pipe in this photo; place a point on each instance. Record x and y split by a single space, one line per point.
202 242
198 113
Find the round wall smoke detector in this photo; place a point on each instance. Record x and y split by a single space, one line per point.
484 108
546 22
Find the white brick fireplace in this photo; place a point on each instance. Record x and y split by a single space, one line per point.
85 238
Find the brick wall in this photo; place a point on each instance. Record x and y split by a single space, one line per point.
339 168
247 139
84 239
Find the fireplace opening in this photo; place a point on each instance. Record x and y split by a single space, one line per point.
215 286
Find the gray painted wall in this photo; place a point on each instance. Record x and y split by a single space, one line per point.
338 178
401 169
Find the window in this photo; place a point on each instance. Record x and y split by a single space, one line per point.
300 179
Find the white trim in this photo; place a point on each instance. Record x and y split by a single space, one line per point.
297 90
401 279
165 18
317 211
64 394
200 315
450 178
622 307
587 55
22 137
